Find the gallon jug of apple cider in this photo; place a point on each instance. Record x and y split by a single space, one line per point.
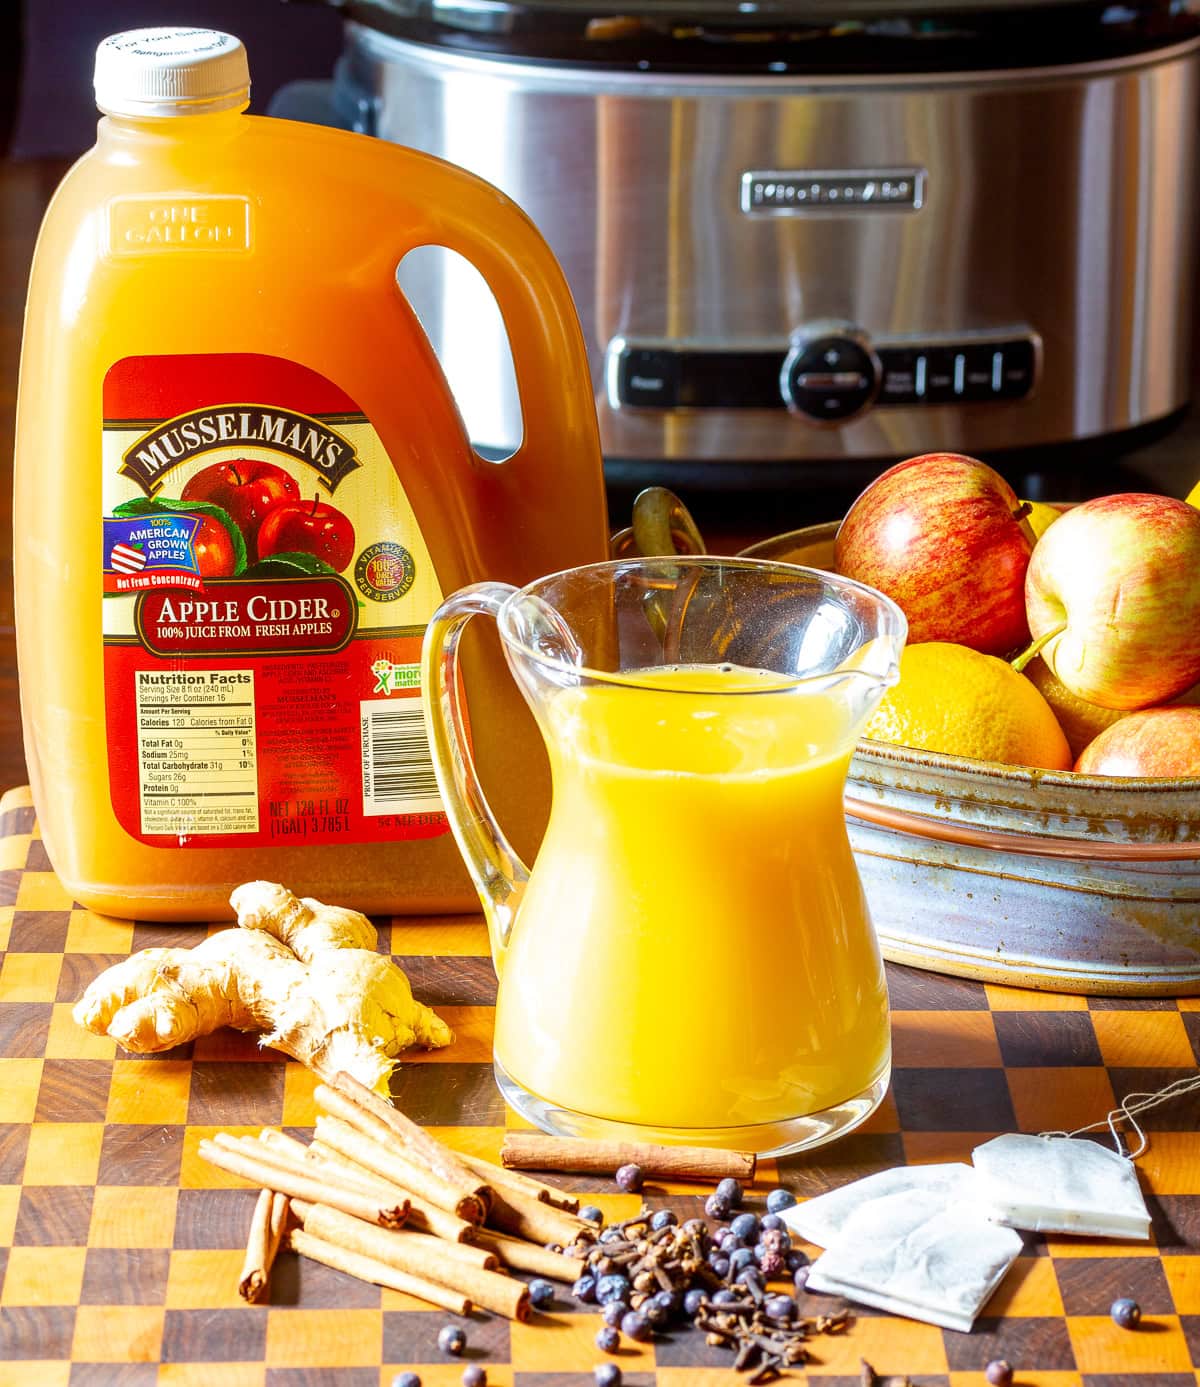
242 488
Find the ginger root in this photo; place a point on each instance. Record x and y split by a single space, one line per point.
305 973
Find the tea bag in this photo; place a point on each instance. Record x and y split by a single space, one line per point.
1059 1184
915 1253
820 1220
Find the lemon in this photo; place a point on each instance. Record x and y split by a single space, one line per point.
1193 496
1080 720
955 700
1041 516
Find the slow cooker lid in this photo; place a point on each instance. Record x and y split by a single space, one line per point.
860 36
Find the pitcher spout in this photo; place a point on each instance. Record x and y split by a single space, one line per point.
869 672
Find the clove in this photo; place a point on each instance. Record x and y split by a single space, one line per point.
868 1377
674 1260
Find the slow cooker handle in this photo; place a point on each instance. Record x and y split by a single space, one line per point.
469 216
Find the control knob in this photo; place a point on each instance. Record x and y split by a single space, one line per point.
831 372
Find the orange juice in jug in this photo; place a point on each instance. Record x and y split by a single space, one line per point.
242 488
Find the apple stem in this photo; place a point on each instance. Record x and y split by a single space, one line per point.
1021 516
316 503
237 476
1036 648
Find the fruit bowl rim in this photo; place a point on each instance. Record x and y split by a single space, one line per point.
1033 776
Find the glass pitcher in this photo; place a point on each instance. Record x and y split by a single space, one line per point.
690 959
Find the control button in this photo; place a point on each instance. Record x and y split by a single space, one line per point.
983 370
828 375
1016 371
648 378
899 383
936 371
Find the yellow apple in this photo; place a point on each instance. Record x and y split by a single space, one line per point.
1041 516
1113 597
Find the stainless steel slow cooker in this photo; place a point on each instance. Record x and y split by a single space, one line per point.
804 232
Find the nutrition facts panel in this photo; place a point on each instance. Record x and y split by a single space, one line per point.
197 762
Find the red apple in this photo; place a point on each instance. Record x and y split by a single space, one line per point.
944 537
310 527
213 548
1114 591
1157 742
246 489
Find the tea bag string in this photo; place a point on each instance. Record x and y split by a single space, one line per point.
1128 1110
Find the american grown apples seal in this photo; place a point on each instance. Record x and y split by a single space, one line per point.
1057 638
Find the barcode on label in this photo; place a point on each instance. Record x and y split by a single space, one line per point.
397 769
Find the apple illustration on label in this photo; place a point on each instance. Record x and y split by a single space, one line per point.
310 527
1113 595
945 537
213 548
246 489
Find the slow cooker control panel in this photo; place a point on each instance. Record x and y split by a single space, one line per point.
828 372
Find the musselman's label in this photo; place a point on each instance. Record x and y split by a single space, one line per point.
266 584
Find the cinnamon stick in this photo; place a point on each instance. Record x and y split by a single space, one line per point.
427 1150
534 1151
342 1173
282 1142
290 1154
371 1269
423 1217
394 1167
427 1258
347 1175
523 1256
268 1170
524 1217
266 1233
501 1179
336 1104
470 1254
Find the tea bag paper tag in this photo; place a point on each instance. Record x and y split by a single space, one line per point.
916 1254
1061 1185
820 1220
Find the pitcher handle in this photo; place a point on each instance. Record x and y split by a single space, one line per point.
498 873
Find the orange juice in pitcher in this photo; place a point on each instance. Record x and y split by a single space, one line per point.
242 488
690 956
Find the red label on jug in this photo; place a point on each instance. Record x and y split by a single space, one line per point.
266 589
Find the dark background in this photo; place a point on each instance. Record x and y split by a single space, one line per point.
47 49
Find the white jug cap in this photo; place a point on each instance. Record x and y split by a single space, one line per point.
171 72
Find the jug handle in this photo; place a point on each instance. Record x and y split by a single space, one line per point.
487 228
498 873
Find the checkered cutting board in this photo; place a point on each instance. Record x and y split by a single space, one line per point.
120 1248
